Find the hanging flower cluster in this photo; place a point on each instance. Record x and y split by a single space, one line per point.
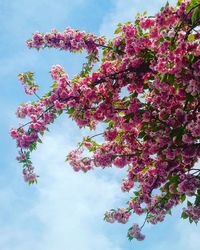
153 131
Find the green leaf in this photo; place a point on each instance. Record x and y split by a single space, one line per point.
117 31
177 132
59 112
179 2
161 40
183 197
117 138
111 124
197 200
162 9
54 85
173 179
91 149
191 38
129 237
190 220
42 133
195 16
39 140
33 146
184 216
163 78
136 193
192 4
128 117
141 134
171 78
176 86
191 58
70 111
145 169
189 97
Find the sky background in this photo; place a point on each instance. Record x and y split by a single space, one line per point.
65 209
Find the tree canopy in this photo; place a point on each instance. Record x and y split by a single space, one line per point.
146 92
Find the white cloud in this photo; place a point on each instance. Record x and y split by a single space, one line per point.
188 235
66 210
179 235
68 207
39 14
8 65
126 10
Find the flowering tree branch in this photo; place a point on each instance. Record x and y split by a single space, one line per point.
146 92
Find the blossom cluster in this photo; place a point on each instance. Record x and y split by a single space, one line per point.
120 215
146 92
69 39
135 232
27 80
192 212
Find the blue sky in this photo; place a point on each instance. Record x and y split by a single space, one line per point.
65 209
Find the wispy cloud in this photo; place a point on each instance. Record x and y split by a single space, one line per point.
68 207
180 235
71 205
65 210
35 14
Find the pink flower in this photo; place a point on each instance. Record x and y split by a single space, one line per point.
145 96
127 185
146 23
135 232
13 133
120 162
110 134
57 72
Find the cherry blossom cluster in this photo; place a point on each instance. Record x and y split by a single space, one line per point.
28 169
69 39
27 79
193 212
120 215
146 93
135 232
78 163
